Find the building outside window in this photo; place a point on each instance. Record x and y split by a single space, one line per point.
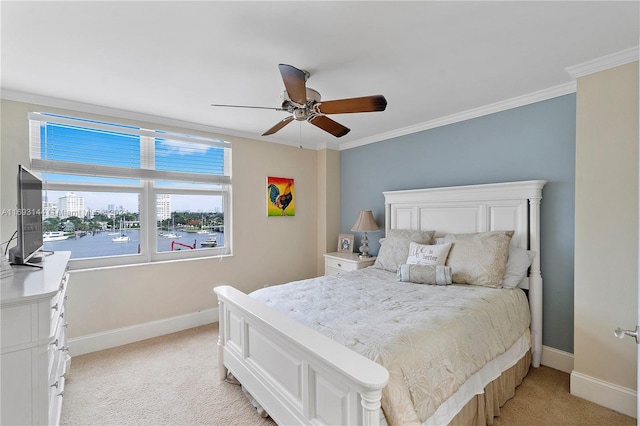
71 205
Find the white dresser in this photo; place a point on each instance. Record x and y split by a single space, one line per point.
34 357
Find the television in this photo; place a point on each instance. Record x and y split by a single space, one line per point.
29 213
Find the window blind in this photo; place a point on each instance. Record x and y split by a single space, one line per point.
75 146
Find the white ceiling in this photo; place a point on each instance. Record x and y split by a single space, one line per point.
431 60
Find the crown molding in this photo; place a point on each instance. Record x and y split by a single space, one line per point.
51 102
541 95
328 145
605 62
576 71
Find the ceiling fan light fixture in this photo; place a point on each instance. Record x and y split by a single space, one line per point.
300 114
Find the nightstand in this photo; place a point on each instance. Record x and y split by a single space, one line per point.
337 262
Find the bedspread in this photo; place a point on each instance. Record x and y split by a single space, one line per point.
429 338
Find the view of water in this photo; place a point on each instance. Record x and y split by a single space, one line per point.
101 244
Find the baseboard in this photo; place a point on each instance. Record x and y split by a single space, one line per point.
617 398
122 336
557 359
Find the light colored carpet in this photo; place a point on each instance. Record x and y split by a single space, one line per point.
543 398
173 380
168 380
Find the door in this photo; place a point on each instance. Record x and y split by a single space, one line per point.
634 333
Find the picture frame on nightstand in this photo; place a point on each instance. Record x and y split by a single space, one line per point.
345 243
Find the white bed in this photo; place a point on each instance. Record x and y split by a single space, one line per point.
305 376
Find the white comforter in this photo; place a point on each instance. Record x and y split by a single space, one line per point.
429 338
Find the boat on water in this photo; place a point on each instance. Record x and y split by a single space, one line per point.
172 234
201 230
210 242
113 228
54 236
123 238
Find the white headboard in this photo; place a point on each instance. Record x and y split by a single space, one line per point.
478 208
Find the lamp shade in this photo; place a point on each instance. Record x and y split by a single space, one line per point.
365 222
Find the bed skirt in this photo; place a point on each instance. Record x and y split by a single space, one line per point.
482 409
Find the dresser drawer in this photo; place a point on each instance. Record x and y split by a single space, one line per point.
55 402
57 306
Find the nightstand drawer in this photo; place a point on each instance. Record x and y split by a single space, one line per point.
338 265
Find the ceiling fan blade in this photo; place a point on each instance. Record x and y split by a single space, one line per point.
345 106
248 106
294 81
328 125
278 126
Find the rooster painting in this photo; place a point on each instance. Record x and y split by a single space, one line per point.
280 196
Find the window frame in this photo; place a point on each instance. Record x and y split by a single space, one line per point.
147 192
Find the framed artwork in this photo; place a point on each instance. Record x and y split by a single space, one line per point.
280 196
345 243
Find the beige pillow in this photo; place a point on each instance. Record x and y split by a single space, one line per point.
421 254
479 258
395 247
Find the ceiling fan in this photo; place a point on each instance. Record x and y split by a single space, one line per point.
303 103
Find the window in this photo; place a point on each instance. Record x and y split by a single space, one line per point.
116 194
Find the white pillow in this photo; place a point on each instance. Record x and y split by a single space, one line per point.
517 265
421 254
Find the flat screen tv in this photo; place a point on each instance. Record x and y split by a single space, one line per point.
29 214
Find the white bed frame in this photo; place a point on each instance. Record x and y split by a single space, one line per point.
302 377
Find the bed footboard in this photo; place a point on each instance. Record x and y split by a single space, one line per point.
298 375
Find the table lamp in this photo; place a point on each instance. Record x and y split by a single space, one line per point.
365 223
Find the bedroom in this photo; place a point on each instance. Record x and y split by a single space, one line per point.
157 299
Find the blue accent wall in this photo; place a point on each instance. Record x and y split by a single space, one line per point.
535 141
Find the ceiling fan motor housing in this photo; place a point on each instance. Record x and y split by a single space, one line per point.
312 97
300 112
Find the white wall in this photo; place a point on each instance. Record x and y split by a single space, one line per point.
265 250
606 237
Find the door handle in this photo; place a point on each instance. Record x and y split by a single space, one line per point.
620 333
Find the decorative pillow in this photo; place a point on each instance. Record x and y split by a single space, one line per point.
425 274
479 258
438 240
420 254
395 248
517 265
